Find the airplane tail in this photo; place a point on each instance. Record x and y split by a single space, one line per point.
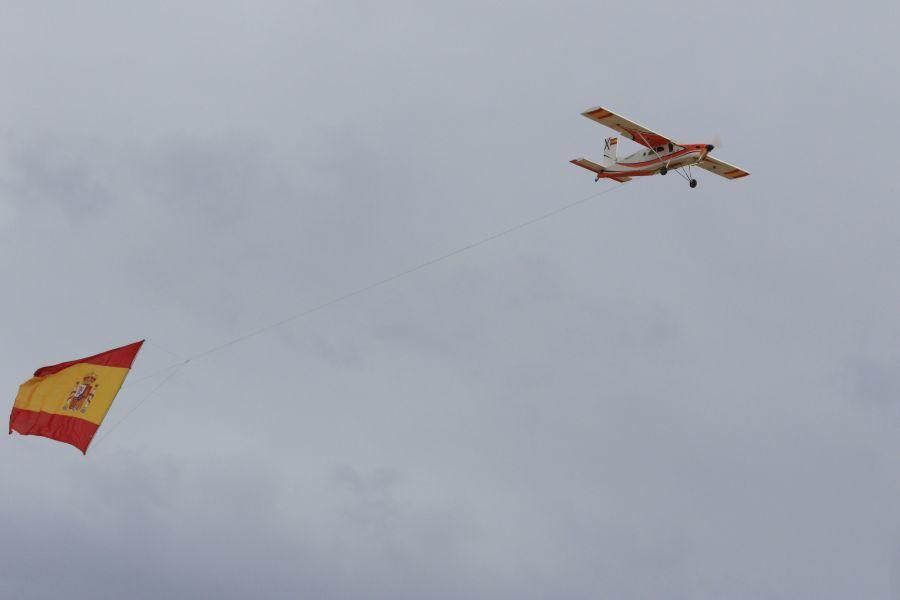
609 149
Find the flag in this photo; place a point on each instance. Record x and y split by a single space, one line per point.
67 402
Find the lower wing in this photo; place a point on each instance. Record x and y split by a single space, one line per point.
720 167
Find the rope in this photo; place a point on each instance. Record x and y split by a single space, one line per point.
354 293
152 342
134 408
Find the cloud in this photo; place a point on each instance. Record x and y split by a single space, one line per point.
664 392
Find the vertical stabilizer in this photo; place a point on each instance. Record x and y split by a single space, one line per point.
609 149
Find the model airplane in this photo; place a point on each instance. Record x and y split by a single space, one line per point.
661 155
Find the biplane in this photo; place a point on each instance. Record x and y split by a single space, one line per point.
659 156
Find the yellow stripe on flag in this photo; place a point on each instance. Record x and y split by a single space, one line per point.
58 394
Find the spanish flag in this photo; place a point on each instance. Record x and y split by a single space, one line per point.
67 402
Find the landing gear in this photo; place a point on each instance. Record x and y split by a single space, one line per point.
685 172
663 170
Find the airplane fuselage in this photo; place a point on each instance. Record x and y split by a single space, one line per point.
652 161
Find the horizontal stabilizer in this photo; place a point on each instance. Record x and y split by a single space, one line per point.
599 170
586 164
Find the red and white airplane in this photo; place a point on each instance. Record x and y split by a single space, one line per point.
661 155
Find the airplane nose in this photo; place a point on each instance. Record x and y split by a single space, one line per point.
709 147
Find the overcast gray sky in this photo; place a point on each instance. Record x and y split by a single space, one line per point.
663 393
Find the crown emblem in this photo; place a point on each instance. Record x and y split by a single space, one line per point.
80 397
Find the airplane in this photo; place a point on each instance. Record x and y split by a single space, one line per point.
662 154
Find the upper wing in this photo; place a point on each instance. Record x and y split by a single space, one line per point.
720 167
629 129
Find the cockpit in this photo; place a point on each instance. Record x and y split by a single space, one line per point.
660 150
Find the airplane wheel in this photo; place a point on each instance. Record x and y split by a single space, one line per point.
693 183
663 171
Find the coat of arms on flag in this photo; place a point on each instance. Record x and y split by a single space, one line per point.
80 398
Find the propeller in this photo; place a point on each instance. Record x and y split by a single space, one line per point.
712 145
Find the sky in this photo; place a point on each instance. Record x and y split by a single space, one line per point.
663 392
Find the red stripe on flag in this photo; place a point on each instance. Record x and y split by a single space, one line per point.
62 428
118 357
